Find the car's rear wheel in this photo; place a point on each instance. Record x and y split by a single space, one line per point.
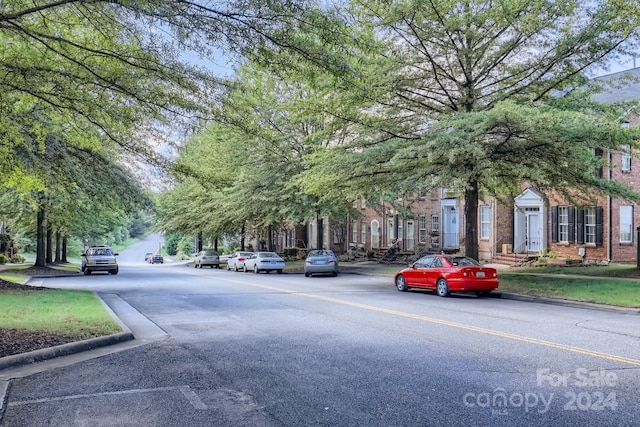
255 269
195 265
442 288
244 268
401 284
235 267
334 274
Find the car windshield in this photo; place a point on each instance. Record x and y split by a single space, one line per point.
100 251
269 255
210 253
463 262
320 253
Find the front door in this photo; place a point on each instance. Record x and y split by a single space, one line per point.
532 229
451 229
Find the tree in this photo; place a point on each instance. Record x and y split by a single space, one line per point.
460 94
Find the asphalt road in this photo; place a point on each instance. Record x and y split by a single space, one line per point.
239 349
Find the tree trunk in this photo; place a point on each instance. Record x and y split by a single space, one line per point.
215 244
199 247
58 249
40 238
320 232
242 238
49 246
471 197
270 237
64 249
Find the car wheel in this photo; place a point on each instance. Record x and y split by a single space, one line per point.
244 268
212 266
195 265
87 272
235 267
228 267
279 271
401 284
334 274
255 269
114 271
307 274
442 288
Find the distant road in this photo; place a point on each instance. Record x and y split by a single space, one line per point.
134 254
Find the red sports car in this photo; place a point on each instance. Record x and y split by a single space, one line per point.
448 274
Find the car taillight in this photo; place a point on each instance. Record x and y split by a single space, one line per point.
240 259
331 260
309 261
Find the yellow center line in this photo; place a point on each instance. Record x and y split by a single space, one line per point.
583 351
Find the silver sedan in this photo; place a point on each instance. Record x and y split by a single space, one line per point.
321 261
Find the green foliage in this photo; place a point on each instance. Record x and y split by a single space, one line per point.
3 259
291 253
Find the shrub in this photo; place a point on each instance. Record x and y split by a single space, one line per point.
17 259
3 259
291 252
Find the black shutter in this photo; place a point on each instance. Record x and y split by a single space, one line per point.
598 225
580 227
572 224
554 224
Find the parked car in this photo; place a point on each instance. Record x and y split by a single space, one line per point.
236 261
264 261
147 255
99 258
207 257
156 259
446 274
321 261
224 259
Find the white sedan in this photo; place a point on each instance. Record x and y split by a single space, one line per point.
264 261
236 261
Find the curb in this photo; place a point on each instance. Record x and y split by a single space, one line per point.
63 350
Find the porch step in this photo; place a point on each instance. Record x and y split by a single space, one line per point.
513 259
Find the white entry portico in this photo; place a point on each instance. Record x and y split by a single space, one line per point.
529 220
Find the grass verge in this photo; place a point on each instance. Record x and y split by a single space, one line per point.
623 293
56 311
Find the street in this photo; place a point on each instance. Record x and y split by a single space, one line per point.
285 350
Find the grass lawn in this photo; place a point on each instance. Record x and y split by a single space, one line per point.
623 293
612 270
75 313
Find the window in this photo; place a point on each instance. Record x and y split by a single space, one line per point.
626 224
563 223
363 232
390 230
590 225
422 229
626 158
599 172
435 224
485 222
354 231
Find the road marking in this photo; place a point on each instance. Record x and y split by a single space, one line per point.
565 347
186 391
